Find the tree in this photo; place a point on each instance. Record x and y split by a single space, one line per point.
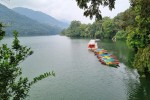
83 32
2 33
92 30
12 84
99 29
91 7
142 60
125 19
73 30
109 27
139 38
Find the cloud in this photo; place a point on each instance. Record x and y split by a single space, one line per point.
65 9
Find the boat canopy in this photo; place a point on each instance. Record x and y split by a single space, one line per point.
92 42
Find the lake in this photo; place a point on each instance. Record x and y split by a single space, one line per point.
79 74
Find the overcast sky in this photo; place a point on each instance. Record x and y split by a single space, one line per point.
65 9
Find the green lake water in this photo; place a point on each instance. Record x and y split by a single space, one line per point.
79 74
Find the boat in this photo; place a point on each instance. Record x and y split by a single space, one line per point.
109 60
97 50
92 45
105 58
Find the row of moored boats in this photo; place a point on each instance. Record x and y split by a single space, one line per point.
103 56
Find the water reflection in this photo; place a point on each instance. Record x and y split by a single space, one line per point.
119 49
139 91
137 88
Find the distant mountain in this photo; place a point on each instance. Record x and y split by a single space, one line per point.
40 17
24 25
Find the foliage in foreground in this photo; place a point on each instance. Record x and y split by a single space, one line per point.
92 7
12 84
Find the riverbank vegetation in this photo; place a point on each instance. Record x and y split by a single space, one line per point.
139 37
133 25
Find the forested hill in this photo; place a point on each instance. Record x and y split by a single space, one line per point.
24 25
40 17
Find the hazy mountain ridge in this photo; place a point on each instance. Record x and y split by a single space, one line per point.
40 17
24 25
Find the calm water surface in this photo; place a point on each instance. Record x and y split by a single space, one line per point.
79 74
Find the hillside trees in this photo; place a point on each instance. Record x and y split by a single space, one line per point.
105 28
